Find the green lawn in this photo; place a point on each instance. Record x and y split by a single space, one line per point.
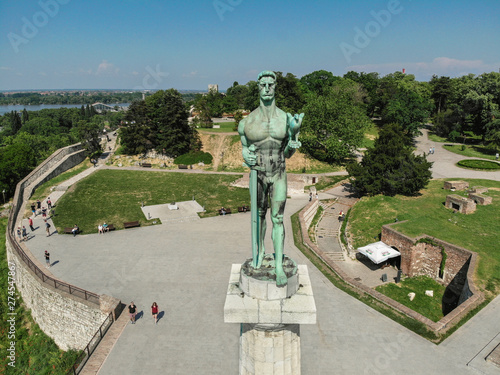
370 135
483 165
44 190
430 307
426 214
115 196
475 151
225 127
326 182
436 138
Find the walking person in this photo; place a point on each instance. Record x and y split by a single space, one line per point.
49 203
30 222
47 259
38 204
44 212
154 312
47 227
132 311
19 234
33 209
25 235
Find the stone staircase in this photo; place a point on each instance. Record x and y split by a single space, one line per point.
327 232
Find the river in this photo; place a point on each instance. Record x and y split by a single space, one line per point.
19 108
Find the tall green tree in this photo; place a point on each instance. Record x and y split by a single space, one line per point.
334 123
370 82
390 167
89 136
318 82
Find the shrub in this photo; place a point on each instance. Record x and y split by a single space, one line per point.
194 158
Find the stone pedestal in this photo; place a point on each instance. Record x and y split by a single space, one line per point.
270 318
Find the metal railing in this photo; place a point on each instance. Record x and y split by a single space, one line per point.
57 284
91 346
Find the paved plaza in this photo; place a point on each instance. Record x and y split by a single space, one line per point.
184 266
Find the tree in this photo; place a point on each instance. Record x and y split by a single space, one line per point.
441 89
390 167
289 93
88 134
161 122
318 82
334 123
370 82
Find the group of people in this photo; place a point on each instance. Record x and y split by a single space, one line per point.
103 228
431 150
132 310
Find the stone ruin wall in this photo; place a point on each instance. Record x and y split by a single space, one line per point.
70 321
425 259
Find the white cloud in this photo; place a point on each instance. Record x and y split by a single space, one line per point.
5 68
106 68
424 70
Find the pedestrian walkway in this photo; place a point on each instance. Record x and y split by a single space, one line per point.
185 268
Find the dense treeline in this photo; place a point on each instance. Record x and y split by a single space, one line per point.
69 98
456 106
27 138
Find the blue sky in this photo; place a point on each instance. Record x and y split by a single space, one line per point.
151 44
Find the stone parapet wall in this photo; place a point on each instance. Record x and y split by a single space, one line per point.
70 321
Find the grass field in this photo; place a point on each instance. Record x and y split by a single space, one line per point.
426 214
430 307
474 151
370 135
44 190
225 127
115 196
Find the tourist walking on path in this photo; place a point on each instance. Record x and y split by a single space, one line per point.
47 259
47 227
132 310
30 222
33 209
154 312
25 235
44 212
38 204
49 203
19 234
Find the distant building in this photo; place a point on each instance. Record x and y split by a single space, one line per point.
213 88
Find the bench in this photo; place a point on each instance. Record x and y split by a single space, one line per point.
111 227
131 224
145 165
70 230
243 209
182 166
228 211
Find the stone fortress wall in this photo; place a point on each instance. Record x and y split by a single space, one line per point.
69 315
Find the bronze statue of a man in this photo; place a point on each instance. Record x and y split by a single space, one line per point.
268 136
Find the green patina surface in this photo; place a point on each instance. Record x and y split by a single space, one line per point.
268 136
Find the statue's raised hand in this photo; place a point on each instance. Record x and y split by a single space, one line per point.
294 123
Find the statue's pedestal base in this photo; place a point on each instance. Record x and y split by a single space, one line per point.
270 324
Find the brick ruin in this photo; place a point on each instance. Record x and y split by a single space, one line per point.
461 204
425 258
466 205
